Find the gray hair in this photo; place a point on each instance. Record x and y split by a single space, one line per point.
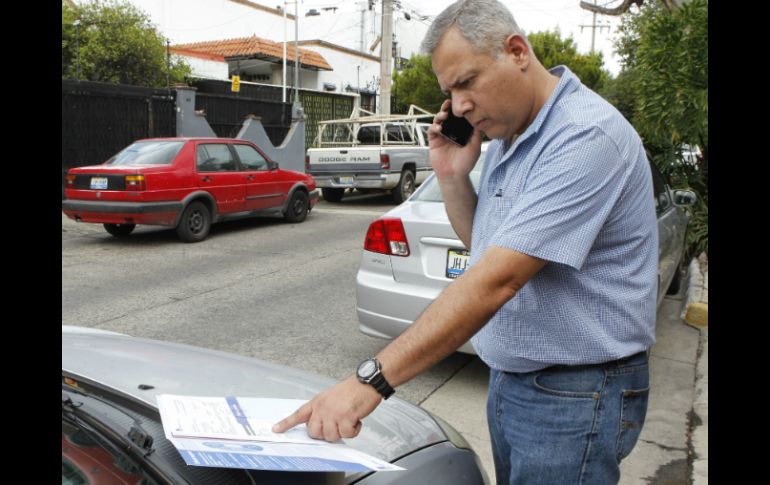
485 24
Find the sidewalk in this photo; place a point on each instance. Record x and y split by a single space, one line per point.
673 446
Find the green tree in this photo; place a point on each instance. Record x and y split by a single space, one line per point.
551 50
665 57
118 44
619 91
416 85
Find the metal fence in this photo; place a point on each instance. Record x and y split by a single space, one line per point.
223 114
320 107
100 119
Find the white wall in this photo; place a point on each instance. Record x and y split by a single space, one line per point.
346 69
206 68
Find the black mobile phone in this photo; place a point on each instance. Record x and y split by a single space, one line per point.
457 130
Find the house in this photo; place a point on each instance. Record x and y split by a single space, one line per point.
345 37
253 59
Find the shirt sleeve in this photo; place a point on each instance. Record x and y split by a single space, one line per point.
565 200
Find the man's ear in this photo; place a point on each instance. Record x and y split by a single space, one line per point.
517 48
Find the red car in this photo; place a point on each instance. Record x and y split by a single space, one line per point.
186 183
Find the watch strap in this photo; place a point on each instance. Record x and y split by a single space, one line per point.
381 385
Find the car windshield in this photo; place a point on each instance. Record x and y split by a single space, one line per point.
85 459
147 153
431 191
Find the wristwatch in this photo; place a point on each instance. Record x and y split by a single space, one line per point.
370 372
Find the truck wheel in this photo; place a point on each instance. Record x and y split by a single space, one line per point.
119 230
297 208
332 195
195 223
405 187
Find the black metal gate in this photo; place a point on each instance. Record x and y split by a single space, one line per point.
100 119
320 107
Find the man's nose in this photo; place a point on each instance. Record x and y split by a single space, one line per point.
461 104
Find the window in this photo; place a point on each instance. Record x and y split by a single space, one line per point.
250 158
147 153
89 458
215 158
662 202
430 191
369 135
399 133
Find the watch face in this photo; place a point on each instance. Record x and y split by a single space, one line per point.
367 368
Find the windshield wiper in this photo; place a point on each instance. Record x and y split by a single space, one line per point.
137 437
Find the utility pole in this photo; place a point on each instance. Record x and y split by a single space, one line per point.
386 56
168 66
296 52
593 28
77 43
284 52
363 16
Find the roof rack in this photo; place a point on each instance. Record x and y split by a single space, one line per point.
346 131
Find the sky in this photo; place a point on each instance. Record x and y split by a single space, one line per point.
342 26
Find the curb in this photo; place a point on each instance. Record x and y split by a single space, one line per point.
699 434
695 310
695 314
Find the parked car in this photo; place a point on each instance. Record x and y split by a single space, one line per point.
185 183
371 153
110 383
412 253
691 155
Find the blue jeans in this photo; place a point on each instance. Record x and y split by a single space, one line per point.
567 425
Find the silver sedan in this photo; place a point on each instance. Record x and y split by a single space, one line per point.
412 253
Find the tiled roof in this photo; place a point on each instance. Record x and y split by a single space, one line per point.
256 48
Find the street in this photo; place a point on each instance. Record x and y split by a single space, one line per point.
261 288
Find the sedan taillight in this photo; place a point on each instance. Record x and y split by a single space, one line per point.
70 181
387 236
135 182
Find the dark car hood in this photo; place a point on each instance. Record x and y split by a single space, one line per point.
396 428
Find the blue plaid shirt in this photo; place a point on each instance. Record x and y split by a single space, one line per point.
574 189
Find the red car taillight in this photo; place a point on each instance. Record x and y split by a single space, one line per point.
385 162
387 236
135 182
70 181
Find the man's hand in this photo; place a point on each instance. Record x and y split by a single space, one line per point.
448 159
336 412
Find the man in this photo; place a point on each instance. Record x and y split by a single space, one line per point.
560 294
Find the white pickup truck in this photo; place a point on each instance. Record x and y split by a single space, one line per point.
371 152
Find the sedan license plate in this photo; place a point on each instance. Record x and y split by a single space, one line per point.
456 262
98 183
346 180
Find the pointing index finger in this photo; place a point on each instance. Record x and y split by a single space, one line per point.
299 416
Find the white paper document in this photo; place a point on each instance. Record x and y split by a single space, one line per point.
235 432
249 419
